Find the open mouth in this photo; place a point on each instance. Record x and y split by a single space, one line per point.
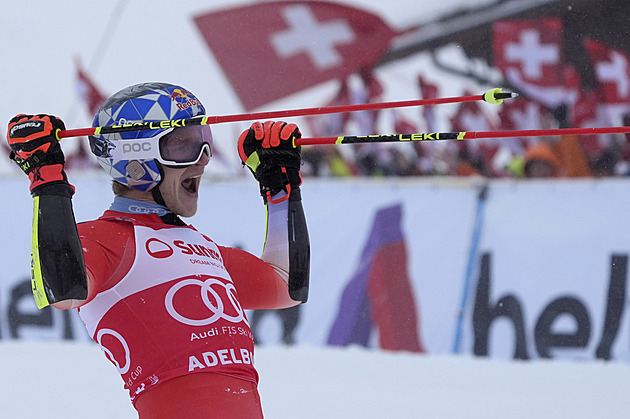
191 184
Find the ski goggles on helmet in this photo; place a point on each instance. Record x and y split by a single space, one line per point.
182 146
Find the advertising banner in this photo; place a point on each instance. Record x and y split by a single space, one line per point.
538 271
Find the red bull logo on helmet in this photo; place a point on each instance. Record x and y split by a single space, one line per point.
184 99
179 93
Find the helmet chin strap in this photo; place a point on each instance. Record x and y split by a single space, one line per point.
170 217
157 195
155 192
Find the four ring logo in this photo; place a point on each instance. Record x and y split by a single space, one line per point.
158 249
99 336
209 287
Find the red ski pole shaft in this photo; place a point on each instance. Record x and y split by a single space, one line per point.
494 96
463 135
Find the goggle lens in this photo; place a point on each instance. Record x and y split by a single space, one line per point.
185 145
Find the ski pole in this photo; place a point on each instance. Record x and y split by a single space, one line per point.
462 135
493 96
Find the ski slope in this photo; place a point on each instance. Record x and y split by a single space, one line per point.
73 380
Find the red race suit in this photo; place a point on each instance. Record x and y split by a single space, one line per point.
166 305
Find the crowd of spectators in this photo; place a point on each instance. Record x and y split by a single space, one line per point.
528 157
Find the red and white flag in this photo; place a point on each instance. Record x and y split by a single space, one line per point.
334 124
471 117
522 114
588 111
428 90
88 91
402 125
270 50
529 53
369 91
612 71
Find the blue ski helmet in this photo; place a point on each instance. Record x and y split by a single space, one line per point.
144 102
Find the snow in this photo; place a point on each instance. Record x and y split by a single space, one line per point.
66 380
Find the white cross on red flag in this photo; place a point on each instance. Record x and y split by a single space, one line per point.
471 117
529 54
273 49
612 71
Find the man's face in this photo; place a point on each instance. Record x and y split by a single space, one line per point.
180 187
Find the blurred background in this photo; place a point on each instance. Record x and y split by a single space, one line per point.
562 57
505 250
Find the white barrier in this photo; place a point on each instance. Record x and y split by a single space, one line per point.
552 254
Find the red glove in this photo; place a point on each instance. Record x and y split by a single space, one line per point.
35 148
270 153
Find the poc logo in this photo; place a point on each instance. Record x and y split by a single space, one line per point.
136 147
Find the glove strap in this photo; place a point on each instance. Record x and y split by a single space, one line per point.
43 175
287 187
29 164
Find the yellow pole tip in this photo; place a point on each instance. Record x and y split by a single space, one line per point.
491 96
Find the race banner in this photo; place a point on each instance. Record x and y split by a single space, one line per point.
550 271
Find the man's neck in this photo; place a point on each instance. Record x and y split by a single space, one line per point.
136 206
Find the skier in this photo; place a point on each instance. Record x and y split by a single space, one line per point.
164 302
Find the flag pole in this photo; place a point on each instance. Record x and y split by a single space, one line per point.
493 96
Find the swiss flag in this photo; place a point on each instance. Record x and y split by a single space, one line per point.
370 91
428 90
522 114
331 125
403 125
589 111
612 70
529 54
270 50
471 117
88 91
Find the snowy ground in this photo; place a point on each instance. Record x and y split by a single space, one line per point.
68 380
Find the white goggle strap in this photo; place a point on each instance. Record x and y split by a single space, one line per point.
137 149
149 149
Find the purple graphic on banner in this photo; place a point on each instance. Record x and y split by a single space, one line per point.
379 294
